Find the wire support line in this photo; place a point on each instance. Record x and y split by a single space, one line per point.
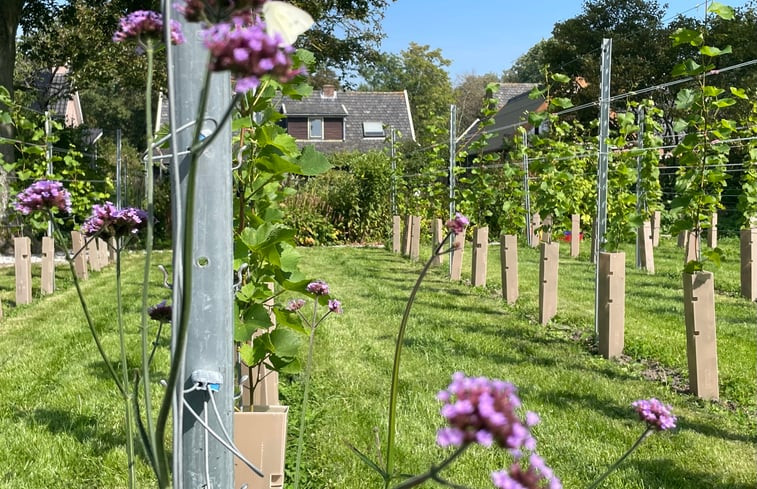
56 149
220 440
632 93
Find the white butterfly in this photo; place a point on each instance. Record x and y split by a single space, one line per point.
285 19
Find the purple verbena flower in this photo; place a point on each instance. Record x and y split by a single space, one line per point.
144 24
319 287
245 49
109 221
43 195
535 475
480 410
160 312
656 414
458 224
335 306
295 305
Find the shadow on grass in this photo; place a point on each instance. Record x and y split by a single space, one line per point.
85 429
709 430
664 473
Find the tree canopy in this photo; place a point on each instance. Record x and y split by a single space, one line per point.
422 72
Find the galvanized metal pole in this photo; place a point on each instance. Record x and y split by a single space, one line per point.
452 155
202 461
604 131
394 172
527 192
641 204
49 158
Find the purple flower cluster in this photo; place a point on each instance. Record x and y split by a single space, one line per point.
160 312
215 11
43 195
656 414
458 224
244 48
335 306
295 305
483 411
109 221
319 287
535 475
143 24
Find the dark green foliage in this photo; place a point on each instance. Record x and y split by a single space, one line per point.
349 203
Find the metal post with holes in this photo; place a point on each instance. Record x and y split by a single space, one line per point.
604 129
199 460
452 155
641 201
527 193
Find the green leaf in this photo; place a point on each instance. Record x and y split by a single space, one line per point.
723 11
370 463
246 354
687 36
536 119
560 78
710 91
712 51
687 68
740 93
693 266
290 259
288 319
286 342
724 102
313 162
561 102
536 93
685 99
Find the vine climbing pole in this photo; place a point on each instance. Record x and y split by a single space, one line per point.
204 391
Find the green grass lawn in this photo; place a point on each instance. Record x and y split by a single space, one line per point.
583 399
60 415
62 423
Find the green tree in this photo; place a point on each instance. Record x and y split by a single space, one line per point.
422 72
641 53
469 95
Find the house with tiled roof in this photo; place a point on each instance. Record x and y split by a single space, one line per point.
508 91
57 96
336 121
512 115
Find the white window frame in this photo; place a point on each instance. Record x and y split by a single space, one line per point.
370 129
311 134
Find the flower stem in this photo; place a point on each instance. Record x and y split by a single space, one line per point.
433 472
306 390
148 249
396 366
614 466
127 397
87 315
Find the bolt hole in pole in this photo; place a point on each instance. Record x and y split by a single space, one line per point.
202 261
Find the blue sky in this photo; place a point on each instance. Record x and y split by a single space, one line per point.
482 36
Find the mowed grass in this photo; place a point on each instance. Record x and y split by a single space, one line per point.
62 422
61 418
584 400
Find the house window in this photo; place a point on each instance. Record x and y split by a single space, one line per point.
373 129
315 128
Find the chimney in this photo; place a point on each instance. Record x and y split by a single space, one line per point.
328 91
